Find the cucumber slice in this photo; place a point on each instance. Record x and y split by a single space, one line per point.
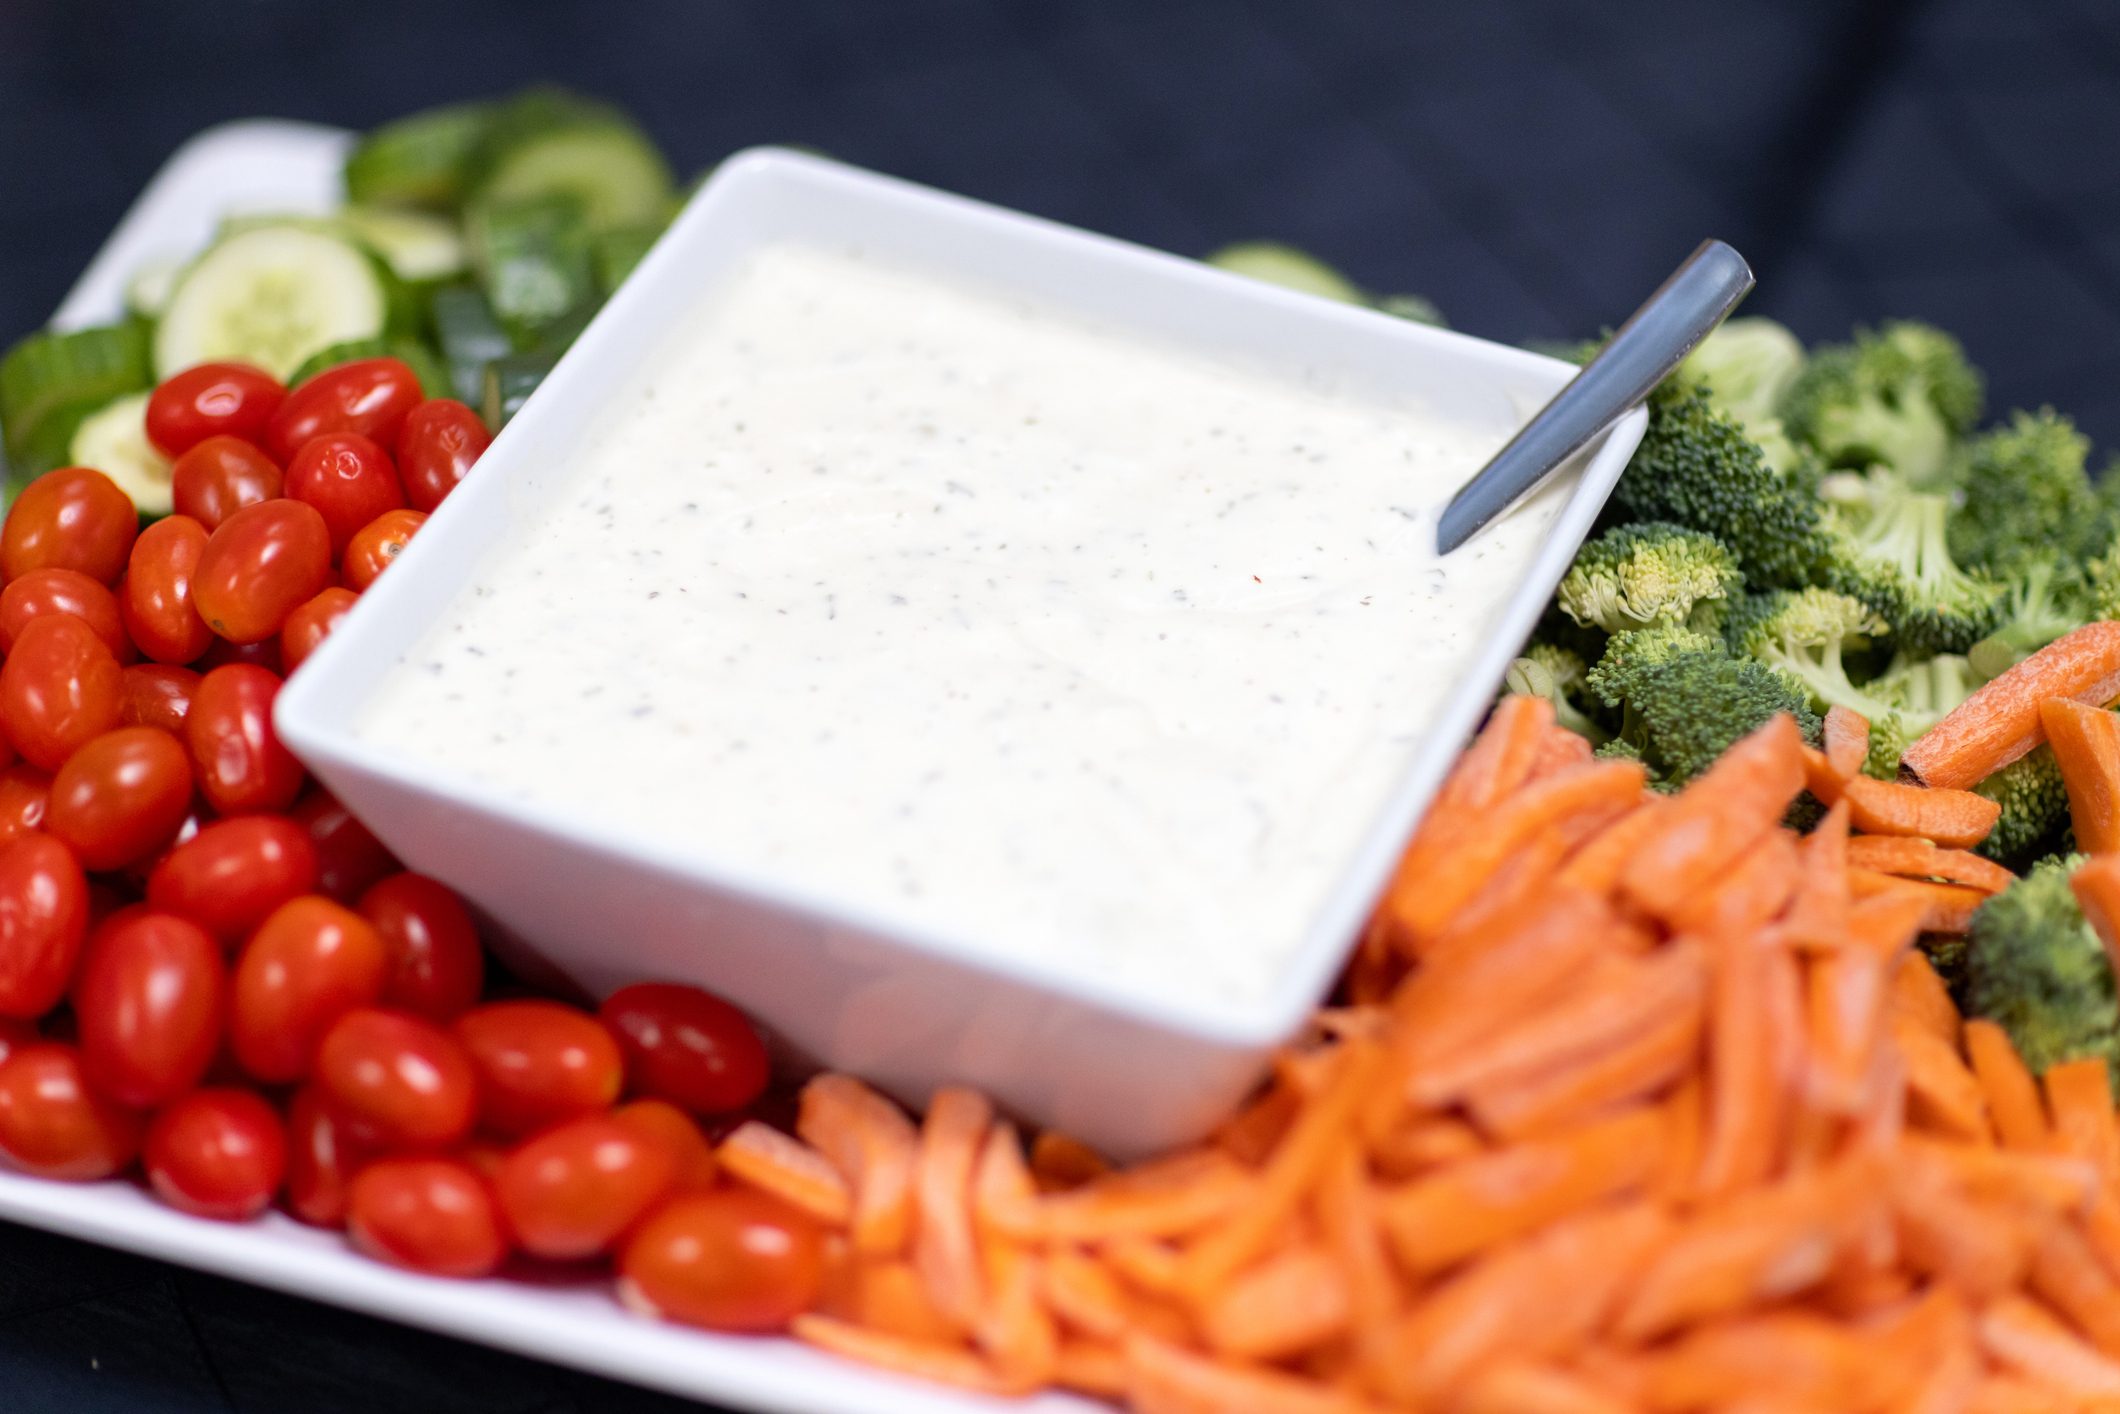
617 252
470 336
433 374
546 143
49 377
533 256
147 294
418 160
273 296
509 382
416 245
113 440
1286 266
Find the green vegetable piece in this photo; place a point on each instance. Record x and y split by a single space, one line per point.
1748 365
1652 574
509 382
2035 967
420 160
1805 635
617 252
1893 553
273 295
1560 676
549 143
113 440
533 258
51 378
1685 700
470 336
2027 497
1902 395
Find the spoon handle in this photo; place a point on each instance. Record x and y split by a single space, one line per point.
1655 339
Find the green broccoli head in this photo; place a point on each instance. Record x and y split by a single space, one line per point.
2041 602
2027 497
1902 395
2034 967
1748 366
2034 801
1803 634
1696 467
1685 700
1650 575
1559 675
1893 553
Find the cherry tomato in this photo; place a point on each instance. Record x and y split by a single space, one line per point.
260 566
121 797
14 1035
539 1063
265 653
376 544
232 875
733 1260
53 591
308 964
155 599
441 439
348 478
431 1215
322 1158
680 1134
400 1080
25 794
53 1125
370 396
156 695
350 860
217 1153
307 627
43 919
211 400
70 519
573 1190
149 1006
219 477
241 766
436 965
60 688
687 1046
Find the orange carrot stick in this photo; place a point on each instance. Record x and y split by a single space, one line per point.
1758 886
1091 1367
1919 994
1789 1359
1940 1089
2013 1099
1956 818
2019 1335
1725 810
1472 1206
1946 908
763 1157
945 1251
872 1144
2000 723
1747 1095
889 1296
1632 1068
2068 1276
1472 856
1596 865
1171 1198
1165 1379
1847 741
2079 1095
1914 858
1845 992
1060 1161
1410 1150
1818 915
2086 742
2096 885
1517 1388
1290 1303
1527 954
921 1359
1558 749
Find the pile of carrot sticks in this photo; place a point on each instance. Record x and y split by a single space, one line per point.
1634 1102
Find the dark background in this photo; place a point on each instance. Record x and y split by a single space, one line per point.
1532 165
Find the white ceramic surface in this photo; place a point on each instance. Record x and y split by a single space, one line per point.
276 166
1127 1072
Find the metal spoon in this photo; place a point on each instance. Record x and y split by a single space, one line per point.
1655 339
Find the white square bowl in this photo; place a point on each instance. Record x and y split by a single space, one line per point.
1127 1072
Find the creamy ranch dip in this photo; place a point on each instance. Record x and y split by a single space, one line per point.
977 621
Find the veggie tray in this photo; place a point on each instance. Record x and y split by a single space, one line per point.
1738 1031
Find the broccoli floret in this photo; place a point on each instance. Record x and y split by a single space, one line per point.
1894 555
1748 365
1560 676
2027 497
1902 395
2037 609
1650 575
2035 967
2034 801
1697 468
1803 634
1686 700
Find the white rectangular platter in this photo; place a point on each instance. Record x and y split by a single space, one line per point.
280 167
